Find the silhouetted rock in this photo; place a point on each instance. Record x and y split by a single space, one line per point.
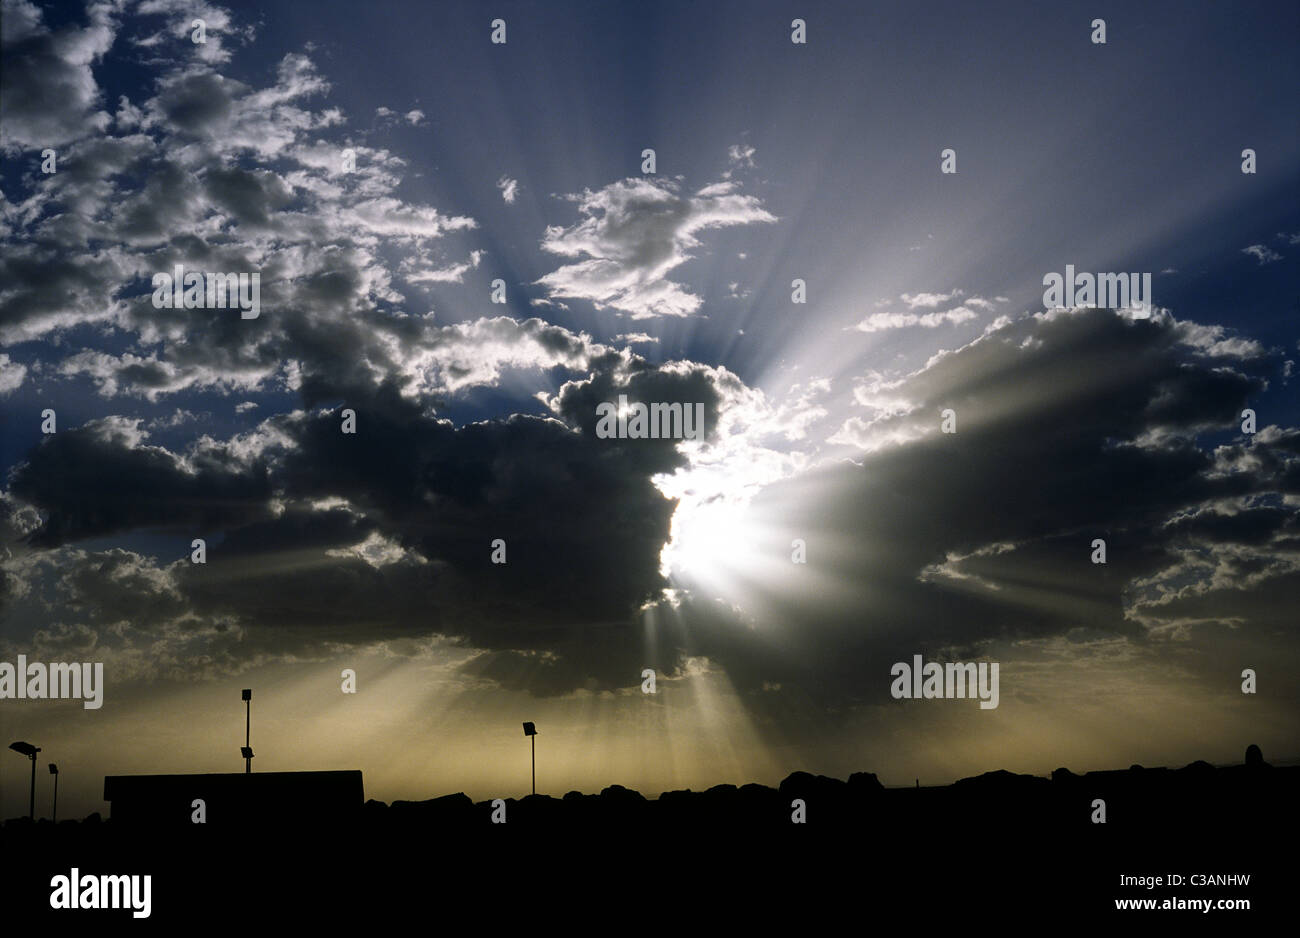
679 796
863 782
621 795
541 809
1063 775
1254 756
447 811
1200 767
807 785
1002 779
459 800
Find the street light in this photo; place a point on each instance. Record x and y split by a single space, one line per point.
245 750
54 813
530 730
30 751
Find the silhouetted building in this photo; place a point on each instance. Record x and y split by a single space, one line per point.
236 799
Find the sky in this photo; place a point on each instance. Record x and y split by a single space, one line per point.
385 169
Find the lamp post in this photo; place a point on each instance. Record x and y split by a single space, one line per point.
246 751
54 812
530 730
30 751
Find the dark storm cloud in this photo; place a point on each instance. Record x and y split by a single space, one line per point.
582 523
1253 526
581 520
116 586
949 541
940 544
99 479
674 383
299 603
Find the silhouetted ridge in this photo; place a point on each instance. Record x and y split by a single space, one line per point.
810 836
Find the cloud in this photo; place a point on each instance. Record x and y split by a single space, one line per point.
929 300
633 233
12 374
635 338
1261 253
1071 425
741 154
328 537
949 543
453 274
509 189
327 241
926 542
50 96
152 488
218 26
878 322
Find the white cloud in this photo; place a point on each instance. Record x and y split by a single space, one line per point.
451 358
929 300
740 154
878 322
509 188
1262 254
12 374
181 14
452 274
634 232
635 338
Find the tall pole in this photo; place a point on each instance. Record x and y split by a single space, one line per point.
534 739
31 804
55 813
248 719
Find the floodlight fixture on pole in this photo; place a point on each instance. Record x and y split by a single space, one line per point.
245 750
54 813
30 751
530 730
